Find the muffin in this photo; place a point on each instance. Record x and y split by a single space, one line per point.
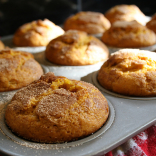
126 13
1 45
124 34
76 48
55 109
36 33
130 72
17 69
152 23
90 22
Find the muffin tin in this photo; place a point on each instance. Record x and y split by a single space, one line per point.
128 116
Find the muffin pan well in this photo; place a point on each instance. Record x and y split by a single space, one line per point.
97 84
17 139
13 145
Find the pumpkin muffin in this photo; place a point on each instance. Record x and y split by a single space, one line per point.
76 48
90 22
152 23
126 13
55 109
130 72
124 34
17 69
36 33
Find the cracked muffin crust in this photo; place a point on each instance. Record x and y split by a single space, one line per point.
125 13
124 34
90 22
152 23
36 33
17 69
130 72
55 109
76 48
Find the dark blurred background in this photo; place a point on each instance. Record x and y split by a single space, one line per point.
14 13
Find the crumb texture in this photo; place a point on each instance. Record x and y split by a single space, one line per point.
55 109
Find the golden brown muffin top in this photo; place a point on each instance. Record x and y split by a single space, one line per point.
10 58
41 30
128 34
76 48
90 22
130 72
125 13
1 45
152 23
17 69
38 26
58 107
132 60
54 95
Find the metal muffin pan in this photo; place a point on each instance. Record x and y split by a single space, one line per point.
128 116
11 144
45 69
72 72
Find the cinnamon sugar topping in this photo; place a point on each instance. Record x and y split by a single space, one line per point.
56 109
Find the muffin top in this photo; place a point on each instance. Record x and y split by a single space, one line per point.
17 69
125 34
56 109
130 72
76 48
36 33
90 22
126 13
152 23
